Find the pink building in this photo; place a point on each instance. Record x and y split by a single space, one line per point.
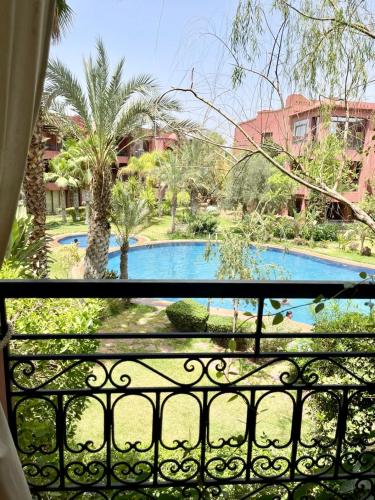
299 122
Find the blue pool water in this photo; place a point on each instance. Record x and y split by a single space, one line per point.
187 261
82 240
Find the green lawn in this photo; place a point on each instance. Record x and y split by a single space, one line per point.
333 251
55 226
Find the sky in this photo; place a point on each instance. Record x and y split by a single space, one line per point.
166 38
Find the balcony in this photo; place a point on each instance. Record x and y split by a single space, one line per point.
210 462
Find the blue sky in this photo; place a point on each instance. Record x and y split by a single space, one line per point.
166 38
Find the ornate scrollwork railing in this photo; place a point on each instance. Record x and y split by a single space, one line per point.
245 424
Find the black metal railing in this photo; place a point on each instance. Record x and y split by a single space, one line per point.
231 451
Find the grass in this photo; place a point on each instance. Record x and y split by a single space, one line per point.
333 251
55 226
132 414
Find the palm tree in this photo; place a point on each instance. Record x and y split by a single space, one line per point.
33 185
63 172
174 174
109 109
128 212
148 166
77 168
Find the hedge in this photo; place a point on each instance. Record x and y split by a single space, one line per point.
187 316
223 324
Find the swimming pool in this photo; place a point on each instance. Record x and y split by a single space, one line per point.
187 261
82 240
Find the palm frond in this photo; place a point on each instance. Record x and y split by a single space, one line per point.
62 82
62 19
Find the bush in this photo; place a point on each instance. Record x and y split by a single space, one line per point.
320 232
285 227
300 241
325 232
203 224
223 324
71 211
359 431
187 316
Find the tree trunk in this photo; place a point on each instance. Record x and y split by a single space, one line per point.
161 193
96 257
63 206
35 198
244 209
193 201
124 261
173 212
76 203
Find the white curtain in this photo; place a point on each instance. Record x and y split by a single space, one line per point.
25 28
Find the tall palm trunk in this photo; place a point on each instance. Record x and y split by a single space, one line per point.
35 198
76 203
173 212
99 228
124 275
63 205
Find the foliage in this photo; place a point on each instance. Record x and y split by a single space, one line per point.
224 324
37 420
203 224
64 258
206 165
320 232
284 228
187 316
109 109
71 211
323 48
317 39
247 182
278 192
335 320
20 248
128 211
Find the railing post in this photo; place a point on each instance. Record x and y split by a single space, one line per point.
3 367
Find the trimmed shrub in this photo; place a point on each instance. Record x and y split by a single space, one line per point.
187 316
223 324
203 224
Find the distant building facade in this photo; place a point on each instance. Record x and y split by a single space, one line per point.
127 148
300 122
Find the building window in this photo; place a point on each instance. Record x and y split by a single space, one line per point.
300 130
266 137
355 127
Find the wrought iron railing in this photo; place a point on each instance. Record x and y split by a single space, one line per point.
213 461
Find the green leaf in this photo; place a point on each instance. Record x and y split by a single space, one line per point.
219 374
275 304
279 318
232 398
232 345
363 275
319 307
318 299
